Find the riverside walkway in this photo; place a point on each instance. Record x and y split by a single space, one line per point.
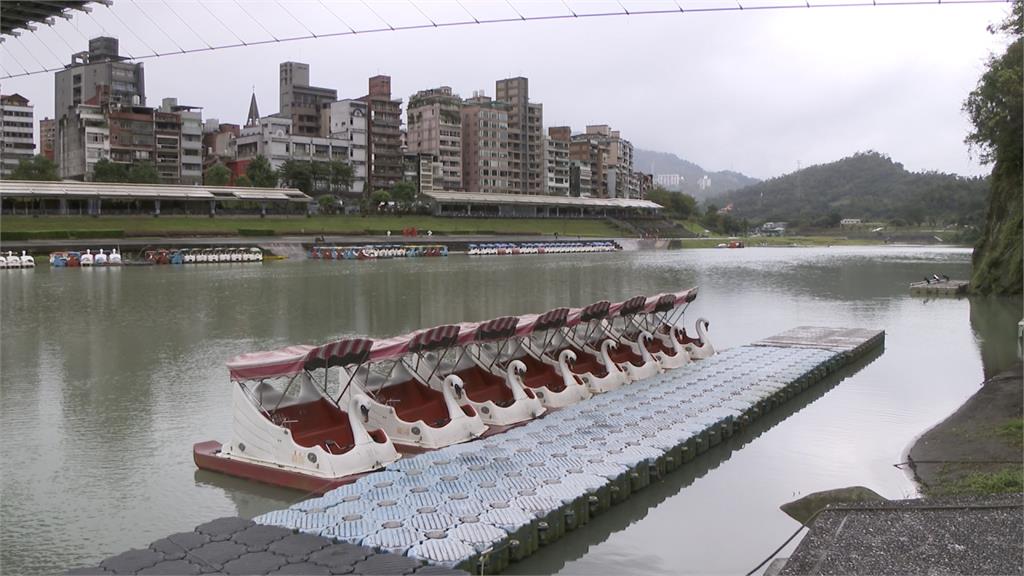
482 505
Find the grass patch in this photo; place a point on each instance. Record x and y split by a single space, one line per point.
1008 480
1012 432
58 226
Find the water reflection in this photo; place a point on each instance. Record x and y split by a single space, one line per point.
994 322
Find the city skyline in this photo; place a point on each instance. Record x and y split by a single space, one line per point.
757 118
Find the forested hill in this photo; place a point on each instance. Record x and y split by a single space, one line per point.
867 185
666 163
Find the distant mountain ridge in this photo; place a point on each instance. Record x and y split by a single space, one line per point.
868 186
654 162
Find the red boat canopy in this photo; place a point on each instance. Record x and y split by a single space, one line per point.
294 359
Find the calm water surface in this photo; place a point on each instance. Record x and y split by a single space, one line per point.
110 375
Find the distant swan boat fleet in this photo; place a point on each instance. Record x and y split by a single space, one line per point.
518 248
72 259
316 417
14 261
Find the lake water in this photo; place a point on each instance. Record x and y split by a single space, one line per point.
110 375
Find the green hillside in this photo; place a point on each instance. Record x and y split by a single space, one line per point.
869 186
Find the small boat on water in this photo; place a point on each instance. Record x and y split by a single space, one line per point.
202 255
70 258
375 252
288 430
86 259
518 248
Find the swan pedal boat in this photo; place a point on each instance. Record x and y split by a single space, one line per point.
291 431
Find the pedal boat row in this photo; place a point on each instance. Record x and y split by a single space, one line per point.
14 261
377 252
316 417
504 249
202 255
74 259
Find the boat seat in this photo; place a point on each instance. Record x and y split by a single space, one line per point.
587 363
541 374
623 354
413 401
483 387
318 423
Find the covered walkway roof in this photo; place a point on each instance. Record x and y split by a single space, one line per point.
539 200
75 190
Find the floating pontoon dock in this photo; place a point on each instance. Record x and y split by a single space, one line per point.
480 505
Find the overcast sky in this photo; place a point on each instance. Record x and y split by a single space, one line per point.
756 91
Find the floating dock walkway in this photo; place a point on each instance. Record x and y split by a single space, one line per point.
482 505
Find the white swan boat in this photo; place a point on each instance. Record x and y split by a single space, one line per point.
290 431
665 347
87 259
415 415
549 366
490 380
584 336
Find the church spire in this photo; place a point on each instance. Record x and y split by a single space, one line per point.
254 112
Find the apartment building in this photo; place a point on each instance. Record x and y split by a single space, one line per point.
434 127
580 184
189 123
301 102
217 137
556 161
17 141
272 138
47 137
527 173
346 120
384 147
83 140
485 141
610 158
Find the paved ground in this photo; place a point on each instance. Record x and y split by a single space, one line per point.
239 546
935 536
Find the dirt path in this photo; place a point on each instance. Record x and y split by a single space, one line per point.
979 447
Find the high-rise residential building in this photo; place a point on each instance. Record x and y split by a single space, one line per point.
272 138
83 139
580 179
591 151
611 160
527 173
485 138
47 137
190 140
383 133
424 170
301 102
17 142
556 160
99 76
434 127
346 120
669 181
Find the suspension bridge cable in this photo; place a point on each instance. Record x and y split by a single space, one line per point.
405 27
258 23
161 28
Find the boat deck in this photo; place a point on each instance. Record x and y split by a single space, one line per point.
481 505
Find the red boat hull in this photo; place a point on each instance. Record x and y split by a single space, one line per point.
206 457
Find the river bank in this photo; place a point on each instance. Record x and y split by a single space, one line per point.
978 449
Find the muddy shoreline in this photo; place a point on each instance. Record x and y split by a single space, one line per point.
977 438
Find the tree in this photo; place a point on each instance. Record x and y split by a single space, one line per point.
404 192
143 173
107 171
676 203
379 197
296 174
260 173
995 110
35 168
217 175
243 181
341 175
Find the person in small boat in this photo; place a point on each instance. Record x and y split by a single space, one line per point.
936 278
927 280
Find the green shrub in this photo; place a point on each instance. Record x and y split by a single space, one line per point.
255 232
